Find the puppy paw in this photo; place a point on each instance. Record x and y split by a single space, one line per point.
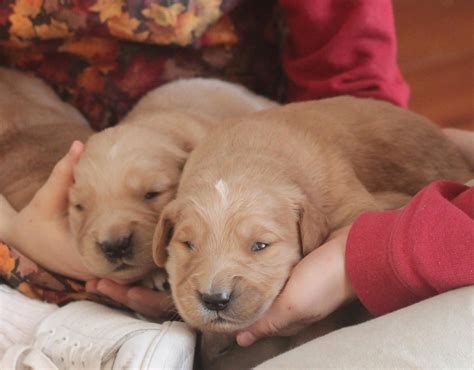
158 280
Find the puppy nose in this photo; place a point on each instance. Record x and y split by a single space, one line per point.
216 301
114 249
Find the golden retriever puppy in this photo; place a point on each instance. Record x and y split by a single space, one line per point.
128 173
257 196
36 130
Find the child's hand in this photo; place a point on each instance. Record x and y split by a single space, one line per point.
317 286
148 302
41 230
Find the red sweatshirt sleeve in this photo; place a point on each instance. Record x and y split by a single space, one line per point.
341 47
397 258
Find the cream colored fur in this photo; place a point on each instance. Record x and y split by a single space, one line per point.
120 165
291 176
287 177
144 154
36 129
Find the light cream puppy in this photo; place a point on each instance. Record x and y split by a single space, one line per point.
208 98
128 173
258 196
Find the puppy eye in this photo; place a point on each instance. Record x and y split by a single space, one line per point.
258 246
151 195
189 244
79 207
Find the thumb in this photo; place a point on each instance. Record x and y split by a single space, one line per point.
52 196
272 323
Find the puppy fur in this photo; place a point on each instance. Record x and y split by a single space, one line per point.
120 165
287 177
36 129
128 173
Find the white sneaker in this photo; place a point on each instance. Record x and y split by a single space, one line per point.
86 335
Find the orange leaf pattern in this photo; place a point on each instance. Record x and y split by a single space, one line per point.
21 273
108 8
103 55
164 15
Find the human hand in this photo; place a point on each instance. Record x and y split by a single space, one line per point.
41 230
145 301
318 285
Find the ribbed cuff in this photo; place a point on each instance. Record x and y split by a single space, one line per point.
369 267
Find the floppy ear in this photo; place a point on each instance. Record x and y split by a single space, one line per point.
313 226
188 132
163 234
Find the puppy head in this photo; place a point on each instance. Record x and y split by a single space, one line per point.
229 250
123 180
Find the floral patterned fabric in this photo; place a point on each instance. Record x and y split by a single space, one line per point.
180 22
22 274
103 55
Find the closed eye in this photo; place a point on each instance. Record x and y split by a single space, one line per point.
151 195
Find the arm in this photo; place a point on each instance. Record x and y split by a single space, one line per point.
387 259
397 258
340 47
40 231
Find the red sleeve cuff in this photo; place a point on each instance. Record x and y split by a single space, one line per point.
398 258
368 264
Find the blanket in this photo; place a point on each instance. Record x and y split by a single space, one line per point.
103 55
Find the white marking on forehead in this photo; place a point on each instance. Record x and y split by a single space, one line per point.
223 190
113 151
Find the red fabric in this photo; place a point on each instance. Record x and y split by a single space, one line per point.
400 257
342 47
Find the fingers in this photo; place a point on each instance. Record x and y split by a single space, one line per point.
150 302
52 196
139 299
274 322
91 286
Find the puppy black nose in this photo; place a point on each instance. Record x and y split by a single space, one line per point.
216 302
119 248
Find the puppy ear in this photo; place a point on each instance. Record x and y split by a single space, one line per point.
313 226
164 234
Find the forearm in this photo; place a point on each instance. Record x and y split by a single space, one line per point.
400 257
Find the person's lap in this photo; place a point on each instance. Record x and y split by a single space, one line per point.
433 333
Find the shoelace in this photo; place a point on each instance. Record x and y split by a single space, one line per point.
70 355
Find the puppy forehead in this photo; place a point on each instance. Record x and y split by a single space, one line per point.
201 222
143 173
222 190
257 226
